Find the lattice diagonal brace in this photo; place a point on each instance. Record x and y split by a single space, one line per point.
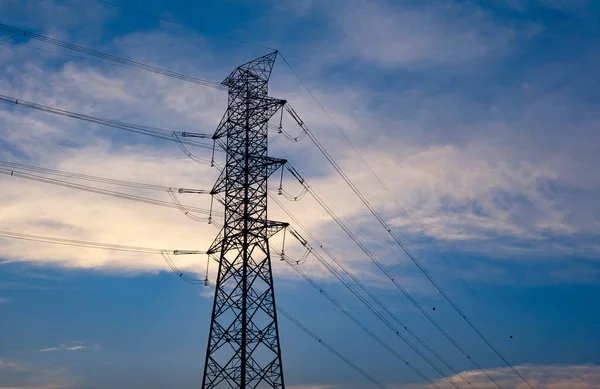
243 346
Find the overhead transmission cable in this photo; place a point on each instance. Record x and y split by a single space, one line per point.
370 294
399 242
88 244
419 228
137 128
387 273
106 192
14 43
87 177
384 224
363 326
110 57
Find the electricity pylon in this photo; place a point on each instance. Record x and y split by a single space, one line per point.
243 346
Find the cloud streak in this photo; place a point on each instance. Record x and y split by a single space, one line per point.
540 376
74 347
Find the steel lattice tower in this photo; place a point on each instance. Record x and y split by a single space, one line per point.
243 346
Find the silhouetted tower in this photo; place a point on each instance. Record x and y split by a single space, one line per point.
243 346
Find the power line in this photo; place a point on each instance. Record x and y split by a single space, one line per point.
87 177
364 326
328 347
57 52
370 306
106 192
403 247
155 132
80 243
378 178
387 273
110 57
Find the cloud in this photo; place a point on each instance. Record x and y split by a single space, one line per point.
494 177
74 347
443 34
540 376
45 350
4 300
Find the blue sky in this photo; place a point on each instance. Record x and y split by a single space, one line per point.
480 117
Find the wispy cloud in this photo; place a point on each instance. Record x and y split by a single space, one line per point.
73 347
409 35
4 300
45 350
540 376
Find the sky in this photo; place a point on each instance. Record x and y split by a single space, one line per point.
471 127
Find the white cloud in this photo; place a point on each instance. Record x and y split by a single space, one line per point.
402 35
76 346
45 350
540 376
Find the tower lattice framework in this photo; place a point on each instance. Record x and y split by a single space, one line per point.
243 346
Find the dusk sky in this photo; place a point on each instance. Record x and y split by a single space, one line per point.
471 127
